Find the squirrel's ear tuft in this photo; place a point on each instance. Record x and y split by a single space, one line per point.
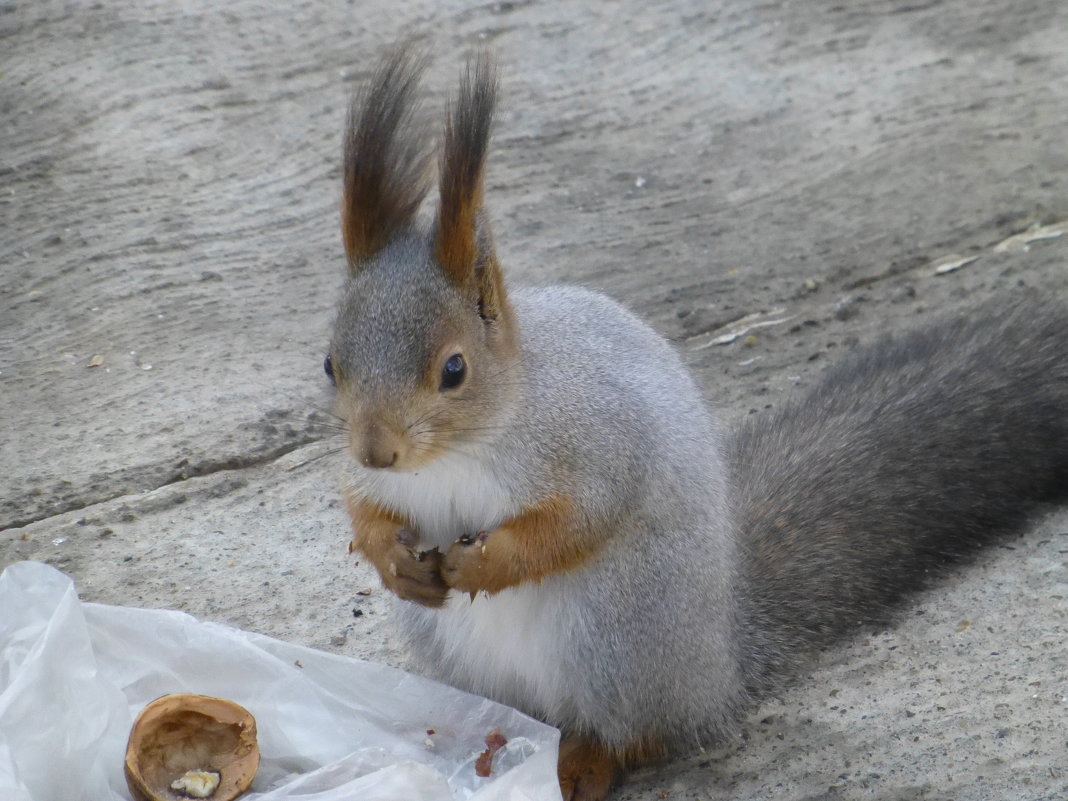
463 246
385 160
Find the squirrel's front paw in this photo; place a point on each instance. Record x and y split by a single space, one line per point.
482 562
414 575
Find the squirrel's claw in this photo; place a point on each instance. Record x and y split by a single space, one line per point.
471 539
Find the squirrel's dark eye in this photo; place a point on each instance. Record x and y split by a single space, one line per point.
452 374
328 368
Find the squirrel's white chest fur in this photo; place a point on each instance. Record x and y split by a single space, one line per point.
510 646
454 495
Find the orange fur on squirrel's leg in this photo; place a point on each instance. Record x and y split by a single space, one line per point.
544 539
588 769
388 541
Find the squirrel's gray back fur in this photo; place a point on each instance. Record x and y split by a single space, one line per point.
608 413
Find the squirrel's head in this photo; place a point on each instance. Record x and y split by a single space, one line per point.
424 348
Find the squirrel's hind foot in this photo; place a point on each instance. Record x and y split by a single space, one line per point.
588 769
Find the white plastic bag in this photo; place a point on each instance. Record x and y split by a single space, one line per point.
73 676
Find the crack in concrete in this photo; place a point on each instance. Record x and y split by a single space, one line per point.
199 470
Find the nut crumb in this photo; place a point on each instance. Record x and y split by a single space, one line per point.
197 783
495 741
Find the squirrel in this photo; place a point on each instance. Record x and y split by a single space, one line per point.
536 476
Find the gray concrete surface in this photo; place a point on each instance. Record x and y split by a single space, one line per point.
168 236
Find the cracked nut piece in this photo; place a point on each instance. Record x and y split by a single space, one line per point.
180 739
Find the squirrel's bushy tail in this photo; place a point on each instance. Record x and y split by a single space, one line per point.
909 452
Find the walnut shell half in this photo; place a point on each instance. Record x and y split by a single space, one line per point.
180 733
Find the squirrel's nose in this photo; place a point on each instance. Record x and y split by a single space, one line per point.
379 458
379 447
